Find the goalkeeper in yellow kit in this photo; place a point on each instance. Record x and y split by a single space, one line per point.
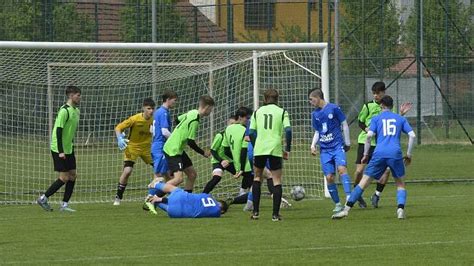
137 144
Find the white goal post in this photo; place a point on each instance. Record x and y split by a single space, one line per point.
116 77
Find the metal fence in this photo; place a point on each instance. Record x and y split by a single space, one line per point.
423 50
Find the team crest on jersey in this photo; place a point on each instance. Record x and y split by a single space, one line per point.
330 116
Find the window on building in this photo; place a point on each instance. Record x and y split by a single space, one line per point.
259 14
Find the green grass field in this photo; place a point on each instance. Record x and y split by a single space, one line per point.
438 231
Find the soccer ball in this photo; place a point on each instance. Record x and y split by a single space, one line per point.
297 193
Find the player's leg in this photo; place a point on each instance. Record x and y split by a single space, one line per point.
190 172
375 198
68 191
360 167
176 169
217 173
123 181
398 171
275 166
341 162
328 166
259 164
61 168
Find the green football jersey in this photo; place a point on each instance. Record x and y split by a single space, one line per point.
269 122
68 120
217 146
186 129
234 138
368 111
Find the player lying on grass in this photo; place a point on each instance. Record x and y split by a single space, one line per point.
62 150
266 127
229 152
184 134
137 144
181 204
368 111
327 120
387 127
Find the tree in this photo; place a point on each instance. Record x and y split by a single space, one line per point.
135 22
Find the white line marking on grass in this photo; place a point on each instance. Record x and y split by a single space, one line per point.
220 253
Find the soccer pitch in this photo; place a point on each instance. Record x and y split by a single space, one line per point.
438 230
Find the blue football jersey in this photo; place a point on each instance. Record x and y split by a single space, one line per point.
327 121
161 119
182 204
388 127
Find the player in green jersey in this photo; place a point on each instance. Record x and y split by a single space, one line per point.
266 126
62 150
185 134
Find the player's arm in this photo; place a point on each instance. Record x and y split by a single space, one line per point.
216 144
60 122
164 125
411 140
362 118
193 127
253 128
345 128
317 128
288 134
365 158
121 140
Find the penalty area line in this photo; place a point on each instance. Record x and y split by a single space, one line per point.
248 251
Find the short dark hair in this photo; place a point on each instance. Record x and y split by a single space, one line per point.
149 102
317 93
206 100
224 206
378 86
71 89
169 94
242 112
270 96
387 101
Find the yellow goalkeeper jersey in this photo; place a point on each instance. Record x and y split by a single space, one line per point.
139 135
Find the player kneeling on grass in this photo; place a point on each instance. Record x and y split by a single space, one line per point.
327 120
138 143
387 127
266 127
62 150
181 204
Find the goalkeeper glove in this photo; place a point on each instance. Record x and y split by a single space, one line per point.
122 141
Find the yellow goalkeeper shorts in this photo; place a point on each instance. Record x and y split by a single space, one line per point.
131 155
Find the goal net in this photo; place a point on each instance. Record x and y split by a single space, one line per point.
115 78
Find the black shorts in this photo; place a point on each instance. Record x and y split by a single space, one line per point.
64 165
178 162
274 162
360 153
230 168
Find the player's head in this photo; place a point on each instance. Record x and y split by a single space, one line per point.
270 96
316 96
206 104
378 90
224 206
243 114
169 98
386 102
148 107
231 120
73 94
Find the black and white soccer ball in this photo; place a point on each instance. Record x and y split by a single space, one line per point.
297 193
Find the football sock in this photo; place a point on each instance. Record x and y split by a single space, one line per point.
242 199
333 192
68 191
120 190
379 189
401 198
270 185
355 195
211 184
152 191
247 180
55 186
277 192
250 196
256 195
346 183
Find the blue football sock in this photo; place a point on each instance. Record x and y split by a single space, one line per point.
355 195
152 191
401 197
346 184
333 192
163 206
250 196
